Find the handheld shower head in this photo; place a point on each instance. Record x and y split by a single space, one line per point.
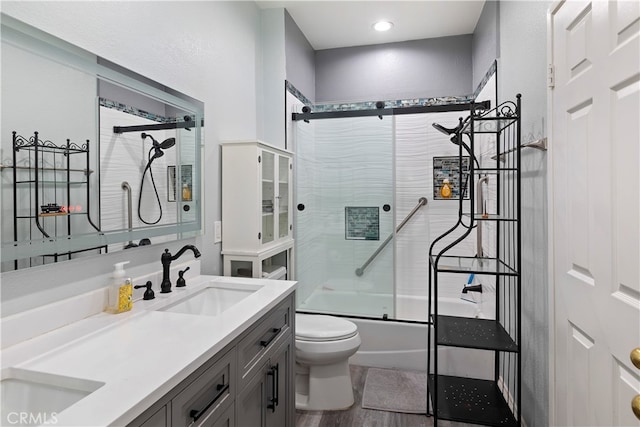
159 146
167 143
444 130
456 135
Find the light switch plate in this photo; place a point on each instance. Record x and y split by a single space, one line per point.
217 238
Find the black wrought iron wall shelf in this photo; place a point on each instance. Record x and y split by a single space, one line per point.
496 401
43 180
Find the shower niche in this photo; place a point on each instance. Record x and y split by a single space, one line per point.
256 214
494 148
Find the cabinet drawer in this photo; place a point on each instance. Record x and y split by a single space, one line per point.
205 397
224 419
261 339
158 419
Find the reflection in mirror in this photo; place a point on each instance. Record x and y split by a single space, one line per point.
94 158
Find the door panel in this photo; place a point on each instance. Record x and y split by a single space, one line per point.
596 218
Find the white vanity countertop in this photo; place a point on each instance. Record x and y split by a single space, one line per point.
142 354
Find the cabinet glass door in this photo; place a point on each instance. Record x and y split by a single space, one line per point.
283 196
268 196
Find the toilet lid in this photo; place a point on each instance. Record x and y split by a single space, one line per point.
323 328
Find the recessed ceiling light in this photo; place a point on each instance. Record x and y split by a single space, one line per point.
382 26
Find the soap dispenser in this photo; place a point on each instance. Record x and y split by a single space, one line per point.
120 290
445 190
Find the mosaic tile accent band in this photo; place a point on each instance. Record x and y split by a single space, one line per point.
114 105
399 103
490 72
371 105
295 92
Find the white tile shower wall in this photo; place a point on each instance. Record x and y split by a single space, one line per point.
342 163
417 143
485 149
123 157
346 163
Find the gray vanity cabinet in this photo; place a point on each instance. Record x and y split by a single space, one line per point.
158 419
200 402
265 401
250 383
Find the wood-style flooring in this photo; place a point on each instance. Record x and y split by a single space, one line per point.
356 416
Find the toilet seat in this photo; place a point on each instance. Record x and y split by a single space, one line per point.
319 328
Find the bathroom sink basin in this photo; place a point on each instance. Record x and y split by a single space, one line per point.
212 300
30 392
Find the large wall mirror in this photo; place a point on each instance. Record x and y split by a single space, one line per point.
94 158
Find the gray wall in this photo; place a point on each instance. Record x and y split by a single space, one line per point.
411 69
301 59
522 69
486 41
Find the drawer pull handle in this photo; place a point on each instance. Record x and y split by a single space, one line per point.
222 389
275 331
273 372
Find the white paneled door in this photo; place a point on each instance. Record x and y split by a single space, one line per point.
595 220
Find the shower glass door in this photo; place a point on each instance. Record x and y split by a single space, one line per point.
344 181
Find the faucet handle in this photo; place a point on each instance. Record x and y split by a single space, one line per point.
148 294
181 283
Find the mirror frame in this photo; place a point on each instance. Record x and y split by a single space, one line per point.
38 42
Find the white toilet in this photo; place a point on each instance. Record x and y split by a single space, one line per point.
323 347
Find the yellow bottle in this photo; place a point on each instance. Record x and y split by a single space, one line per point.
186 193
445 190
120 291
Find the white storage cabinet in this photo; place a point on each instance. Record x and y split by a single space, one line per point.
256 209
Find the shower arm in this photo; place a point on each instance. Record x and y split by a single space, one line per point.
421 202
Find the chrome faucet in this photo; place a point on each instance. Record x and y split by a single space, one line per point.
166 258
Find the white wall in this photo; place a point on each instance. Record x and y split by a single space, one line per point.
417 143
522 69
211 51
273 66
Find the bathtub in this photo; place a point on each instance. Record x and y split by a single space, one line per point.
398 344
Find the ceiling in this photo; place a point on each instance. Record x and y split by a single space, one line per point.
333 24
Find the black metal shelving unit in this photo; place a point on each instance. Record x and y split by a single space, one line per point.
494 402
43 179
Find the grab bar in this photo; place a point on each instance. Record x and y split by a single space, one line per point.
480 209
540 144
421 202
126 187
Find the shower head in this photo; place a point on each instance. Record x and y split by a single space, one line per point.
159 146
168 143
444 130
